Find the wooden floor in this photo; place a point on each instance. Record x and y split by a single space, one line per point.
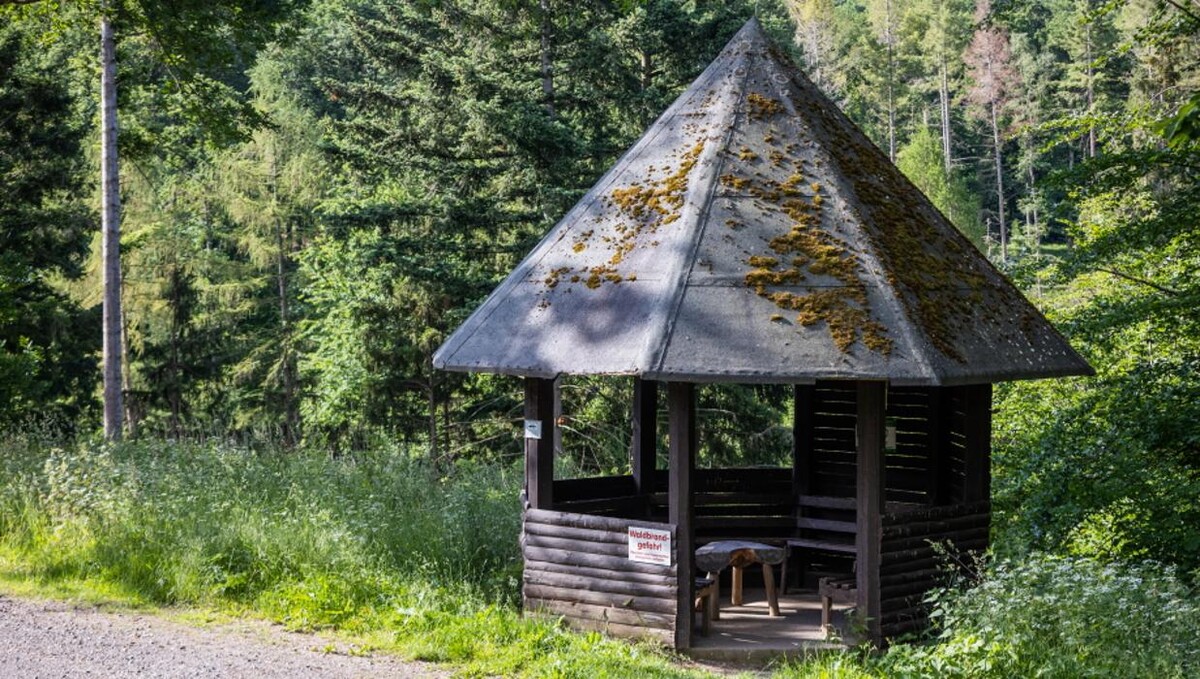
748 633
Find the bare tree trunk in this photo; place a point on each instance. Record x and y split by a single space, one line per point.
111 229
291 416
999 184
890 39
130 403
547 66
944 101
431 390
1091 89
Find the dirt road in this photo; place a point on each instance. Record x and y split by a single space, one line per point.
50 639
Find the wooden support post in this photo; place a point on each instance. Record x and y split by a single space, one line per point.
802 438
644 449
558 414
977 481
938 436
870 501
681 409
803 402
539 452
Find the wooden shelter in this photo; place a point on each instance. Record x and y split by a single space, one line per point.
755 235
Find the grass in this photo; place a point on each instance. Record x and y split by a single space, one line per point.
387 553
377 547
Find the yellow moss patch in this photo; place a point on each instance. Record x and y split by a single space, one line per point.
735 182
844 309
760 107
551 280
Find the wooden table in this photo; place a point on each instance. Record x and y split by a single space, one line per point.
738 554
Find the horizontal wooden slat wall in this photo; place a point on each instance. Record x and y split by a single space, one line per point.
753 503
912 566
909 467
833 444
577 567
600 495
956 457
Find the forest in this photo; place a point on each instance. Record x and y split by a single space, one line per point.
315 193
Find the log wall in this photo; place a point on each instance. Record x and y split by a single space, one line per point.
911 566
577 567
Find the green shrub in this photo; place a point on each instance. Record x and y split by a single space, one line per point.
1044 617
1062 617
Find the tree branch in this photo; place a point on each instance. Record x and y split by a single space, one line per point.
1186 12
1142 281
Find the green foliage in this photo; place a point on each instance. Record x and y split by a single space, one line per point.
1060 617
1045 617
921 161
45 337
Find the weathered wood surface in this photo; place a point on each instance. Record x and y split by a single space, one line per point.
577 567
586 618
870 496
643 452
681 416
911 564
539 453
716 556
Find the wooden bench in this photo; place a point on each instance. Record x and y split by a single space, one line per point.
805 523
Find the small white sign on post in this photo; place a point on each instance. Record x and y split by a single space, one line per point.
533 429
650 545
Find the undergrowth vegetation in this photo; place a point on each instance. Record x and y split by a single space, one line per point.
389 550
400 555
1046 616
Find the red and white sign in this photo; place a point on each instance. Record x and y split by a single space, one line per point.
650 545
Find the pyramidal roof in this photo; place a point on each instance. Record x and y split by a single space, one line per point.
754 234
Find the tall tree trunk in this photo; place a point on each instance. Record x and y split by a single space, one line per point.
130 404
890 38
1091 89
111 229
547 63
647 70
999 183
944 102
431 391
291 415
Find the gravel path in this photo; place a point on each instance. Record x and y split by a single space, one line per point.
50 639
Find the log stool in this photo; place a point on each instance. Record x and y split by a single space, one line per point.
706 602
834 590
739 554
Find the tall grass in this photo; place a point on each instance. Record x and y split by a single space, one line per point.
379 544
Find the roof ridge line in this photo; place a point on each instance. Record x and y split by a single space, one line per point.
656 353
